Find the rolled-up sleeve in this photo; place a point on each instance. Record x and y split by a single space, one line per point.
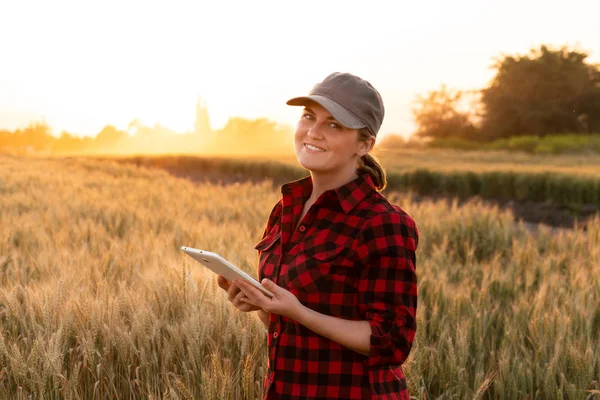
388 285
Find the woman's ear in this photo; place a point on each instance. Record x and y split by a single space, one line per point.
364 146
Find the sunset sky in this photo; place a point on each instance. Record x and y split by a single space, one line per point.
83 65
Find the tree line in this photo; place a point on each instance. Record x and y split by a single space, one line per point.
544 92
238 136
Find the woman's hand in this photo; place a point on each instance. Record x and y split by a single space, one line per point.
235 295
283 303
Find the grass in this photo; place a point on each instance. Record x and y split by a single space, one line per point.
97 300
456 160
496 179
574 143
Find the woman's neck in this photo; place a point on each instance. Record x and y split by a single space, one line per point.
323 182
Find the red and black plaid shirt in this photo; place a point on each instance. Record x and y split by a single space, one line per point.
352 257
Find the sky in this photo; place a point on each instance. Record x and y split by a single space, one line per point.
81 65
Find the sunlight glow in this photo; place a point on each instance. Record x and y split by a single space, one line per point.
81 66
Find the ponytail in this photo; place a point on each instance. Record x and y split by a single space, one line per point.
370 164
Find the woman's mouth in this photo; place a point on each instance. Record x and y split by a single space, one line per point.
313 148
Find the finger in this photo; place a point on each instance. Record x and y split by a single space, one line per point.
222 282
246 306
245 299
250 288
253 294
237 299
270 286
254 305
243 303
250 307
244 286
232 291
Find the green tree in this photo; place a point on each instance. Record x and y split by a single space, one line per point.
544 92
443 114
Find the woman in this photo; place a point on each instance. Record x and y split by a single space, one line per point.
339 258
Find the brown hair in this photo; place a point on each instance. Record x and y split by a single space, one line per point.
370 164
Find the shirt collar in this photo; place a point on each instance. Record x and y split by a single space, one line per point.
348 195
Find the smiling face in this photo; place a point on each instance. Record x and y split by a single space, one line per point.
324 146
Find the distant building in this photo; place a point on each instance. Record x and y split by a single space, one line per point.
202 123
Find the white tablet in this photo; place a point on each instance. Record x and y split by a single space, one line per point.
221 266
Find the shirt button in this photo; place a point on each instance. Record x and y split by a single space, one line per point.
275 334
302 228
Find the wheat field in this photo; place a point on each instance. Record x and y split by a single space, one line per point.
97 301
450 160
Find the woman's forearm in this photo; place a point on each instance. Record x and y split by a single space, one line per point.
355 335
264 317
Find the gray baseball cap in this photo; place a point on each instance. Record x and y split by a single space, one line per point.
353 101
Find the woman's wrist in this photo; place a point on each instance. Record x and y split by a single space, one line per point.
263 316
300 314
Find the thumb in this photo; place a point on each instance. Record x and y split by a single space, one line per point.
268 284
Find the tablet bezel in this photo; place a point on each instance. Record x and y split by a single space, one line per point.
221 266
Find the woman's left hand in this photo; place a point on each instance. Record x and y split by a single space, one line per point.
283 302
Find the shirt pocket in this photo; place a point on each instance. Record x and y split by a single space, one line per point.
268 241
327 255
268 253
316 269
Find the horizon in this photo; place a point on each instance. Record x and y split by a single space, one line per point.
83 67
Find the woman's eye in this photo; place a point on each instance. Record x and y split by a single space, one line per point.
307 116
335 126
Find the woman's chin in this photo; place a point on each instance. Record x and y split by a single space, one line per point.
310 163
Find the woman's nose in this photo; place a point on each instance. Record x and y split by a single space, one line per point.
315 132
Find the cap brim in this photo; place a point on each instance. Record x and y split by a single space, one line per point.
338 112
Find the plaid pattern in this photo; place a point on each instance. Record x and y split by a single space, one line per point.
352 257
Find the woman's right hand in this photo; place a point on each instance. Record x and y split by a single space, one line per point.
234 295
